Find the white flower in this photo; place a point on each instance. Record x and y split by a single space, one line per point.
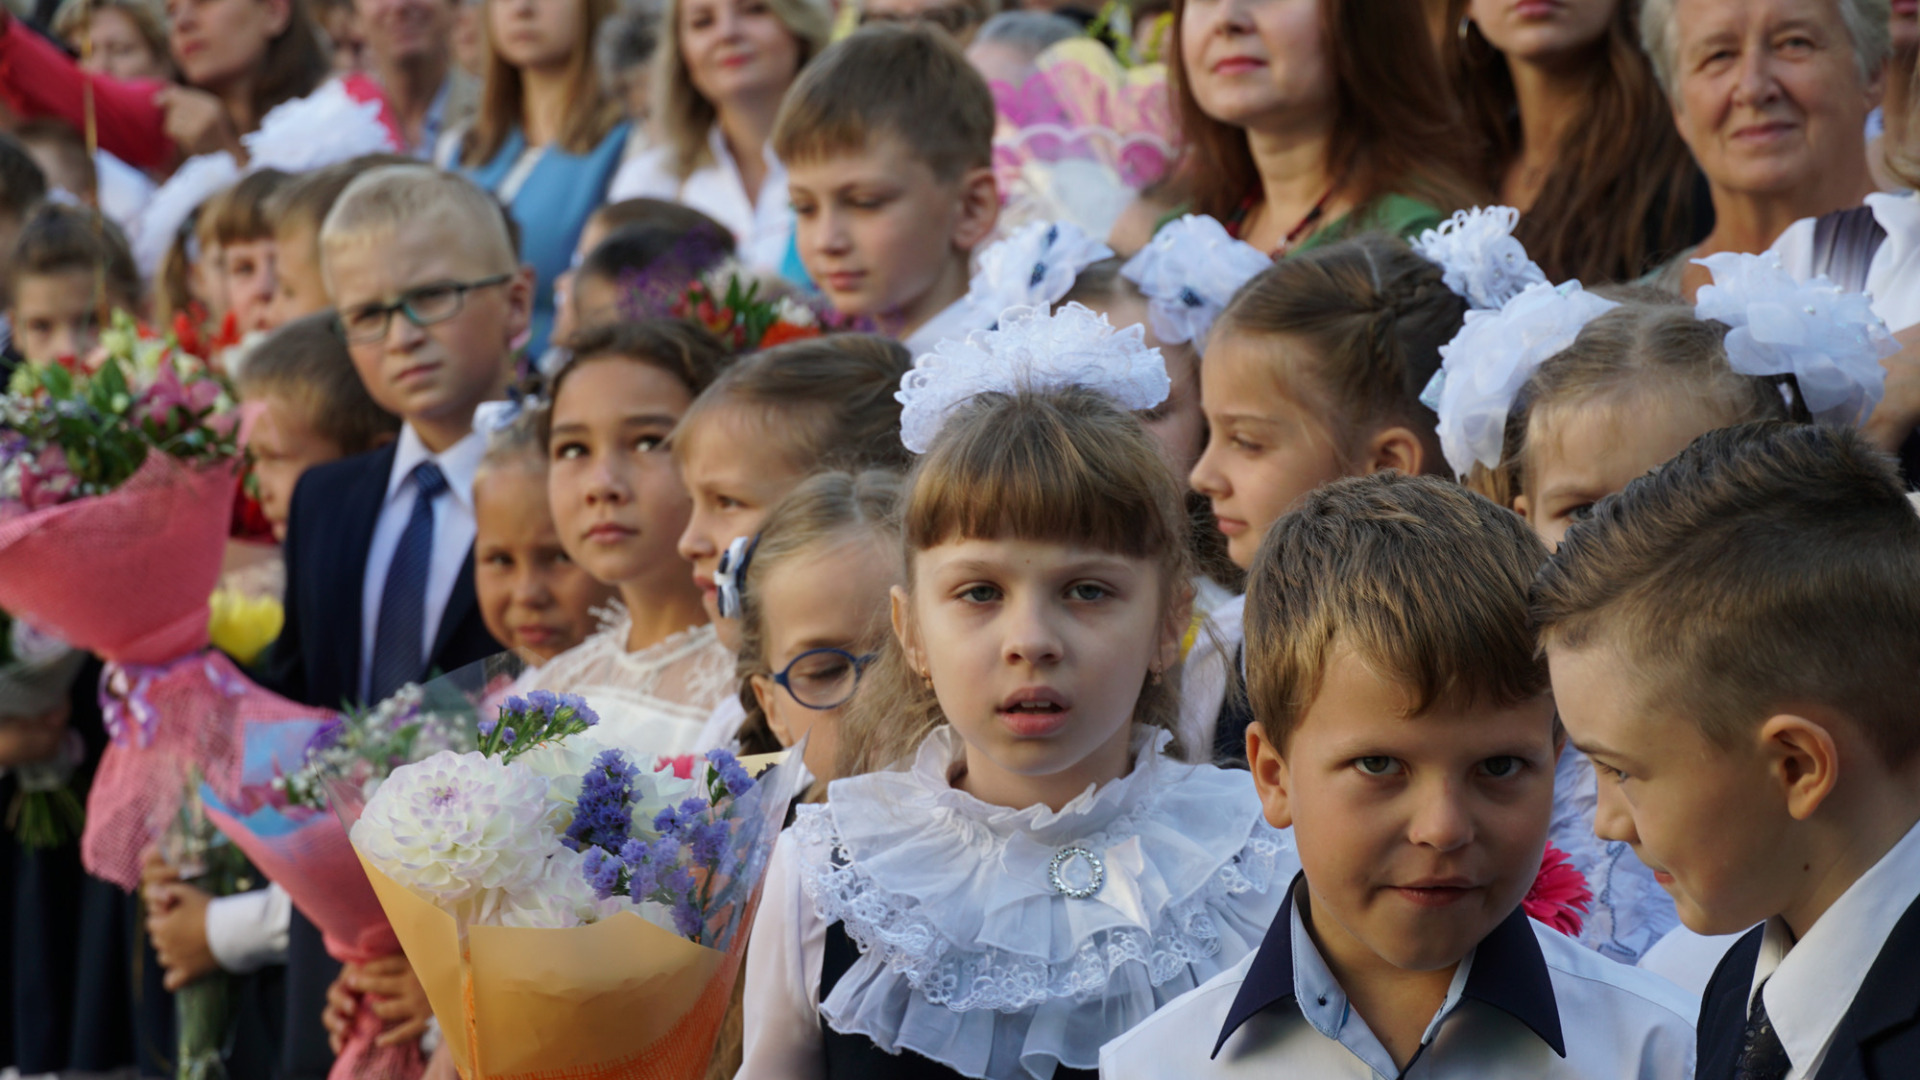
1036 265
1493 356
1828 339
1030 350
559 898
1188 272
1484 265
458 827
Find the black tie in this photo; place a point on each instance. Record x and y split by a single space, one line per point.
1761 1055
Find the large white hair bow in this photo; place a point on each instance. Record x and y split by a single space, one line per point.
1031 349
1828 339
1188 273
1483 264
1036 265
1483 368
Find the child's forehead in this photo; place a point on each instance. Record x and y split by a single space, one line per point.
1361 701
872 154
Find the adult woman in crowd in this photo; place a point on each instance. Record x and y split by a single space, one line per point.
724 67
121 39
1572 129
1307 121
1772 97
237 58
548 136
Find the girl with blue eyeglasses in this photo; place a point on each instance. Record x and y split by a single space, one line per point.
813 610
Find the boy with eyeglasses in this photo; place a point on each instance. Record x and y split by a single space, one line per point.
379 547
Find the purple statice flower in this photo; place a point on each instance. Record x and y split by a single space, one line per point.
581 712
708 842
517 705
487 726
687 920
326 736
678 882
543 702
728 768
601 817
675 819
507 736
602 872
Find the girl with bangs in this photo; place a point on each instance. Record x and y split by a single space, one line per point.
1014 869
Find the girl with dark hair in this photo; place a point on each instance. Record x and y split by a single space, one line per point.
1307 121
237 58
1571 128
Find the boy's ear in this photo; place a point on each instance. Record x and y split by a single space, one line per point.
519 302
1395 447
979 209
1803 759
1271 777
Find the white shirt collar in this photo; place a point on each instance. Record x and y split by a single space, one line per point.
458 462
1810 985
954 322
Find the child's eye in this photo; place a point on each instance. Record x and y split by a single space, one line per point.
1501 767
1241 442
569 451
1609 772
728 502
1377 765
647 444
1087 591
980 594
500 559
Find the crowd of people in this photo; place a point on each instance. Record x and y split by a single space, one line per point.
1358 538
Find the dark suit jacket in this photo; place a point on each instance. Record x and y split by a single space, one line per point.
316 661
1879 1039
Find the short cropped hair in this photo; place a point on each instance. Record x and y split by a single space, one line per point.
381 201
910 82
22 184
307 363
1769 565
1865 21
826 401
59 239
1423 580
305 200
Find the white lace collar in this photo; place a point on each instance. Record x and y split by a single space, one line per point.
972 956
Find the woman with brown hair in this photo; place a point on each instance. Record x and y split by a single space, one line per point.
548 136
238 59
1307 121
1572 129
723 70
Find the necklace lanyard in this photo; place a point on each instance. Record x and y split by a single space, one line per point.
1305 224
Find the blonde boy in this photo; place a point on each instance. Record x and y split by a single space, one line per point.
1405 733
888 140
1734 640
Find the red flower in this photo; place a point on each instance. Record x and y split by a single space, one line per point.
1559 896
782 332
682 766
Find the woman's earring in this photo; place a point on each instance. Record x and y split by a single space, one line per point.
1466 24
1154 677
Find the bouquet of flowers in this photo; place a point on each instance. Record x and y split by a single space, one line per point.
729 302
36 671
572 911
280 816
116 487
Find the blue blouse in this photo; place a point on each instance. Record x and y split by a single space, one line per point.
551 207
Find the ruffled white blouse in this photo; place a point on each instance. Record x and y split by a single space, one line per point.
655 700
980 947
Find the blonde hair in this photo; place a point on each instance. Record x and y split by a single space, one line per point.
1372 316
1766 566
682 115
591 112
381 201
1063 466
828 508
910 82
1425 581
1651 343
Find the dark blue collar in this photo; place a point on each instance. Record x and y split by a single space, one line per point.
1509 973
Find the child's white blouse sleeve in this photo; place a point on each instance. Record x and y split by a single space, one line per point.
781 1003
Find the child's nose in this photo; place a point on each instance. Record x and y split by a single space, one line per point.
1441 820
1030 634
1612 817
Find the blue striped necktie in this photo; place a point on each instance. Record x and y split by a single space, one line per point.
399 635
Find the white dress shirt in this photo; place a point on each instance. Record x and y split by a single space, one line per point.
248 931
761 223
453 532
1893 277
1810 985
1527 1004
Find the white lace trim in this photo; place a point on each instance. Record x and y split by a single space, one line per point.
655 699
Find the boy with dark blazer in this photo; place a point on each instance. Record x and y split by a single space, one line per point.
1734 640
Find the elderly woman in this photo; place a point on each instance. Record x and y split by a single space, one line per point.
1772 97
